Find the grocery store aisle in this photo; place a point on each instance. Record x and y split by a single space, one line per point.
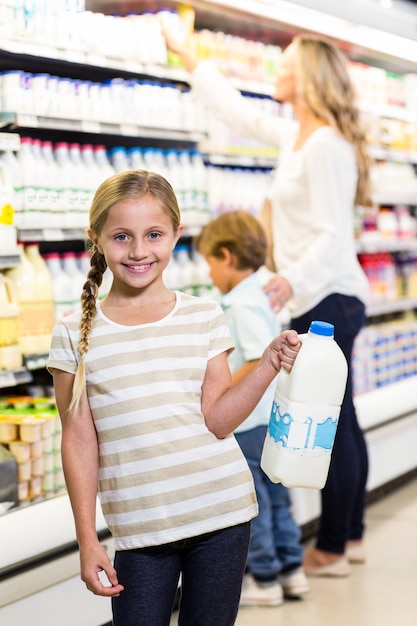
382 592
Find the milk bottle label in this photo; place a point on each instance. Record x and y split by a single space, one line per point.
293 425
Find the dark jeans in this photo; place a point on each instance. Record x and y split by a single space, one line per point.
343 496
211 568
275 546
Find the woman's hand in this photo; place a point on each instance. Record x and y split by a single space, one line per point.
279 291
181 48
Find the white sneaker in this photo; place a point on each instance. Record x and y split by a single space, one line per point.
260 594
294 584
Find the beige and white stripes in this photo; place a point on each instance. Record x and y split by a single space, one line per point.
163 475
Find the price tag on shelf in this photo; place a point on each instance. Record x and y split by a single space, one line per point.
129 130
7 379
88 126
53 234
24 119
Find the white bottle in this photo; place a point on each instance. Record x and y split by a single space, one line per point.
30 183
69 195
62 285
55 217
12 178
70 267
82 182
119 159
103 162
305 412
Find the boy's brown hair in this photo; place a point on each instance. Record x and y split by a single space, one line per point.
240 233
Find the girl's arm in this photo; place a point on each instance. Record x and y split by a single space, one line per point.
80 462
226 405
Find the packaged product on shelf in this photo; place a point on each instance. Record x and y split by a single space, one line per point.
34 443
44 297
8 480
55 200
86 184
62 286
10 354
24 279
31 173
70 191
70 267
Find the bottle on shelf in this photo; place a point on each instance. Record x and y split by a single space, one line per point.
70 267
30 184
55 216
24 278
10 354
305 412
62 286
44 297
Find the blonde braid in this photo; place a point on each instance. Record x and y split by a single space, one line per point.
88 311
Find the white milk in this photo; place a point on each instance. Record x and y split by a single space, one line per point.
305 412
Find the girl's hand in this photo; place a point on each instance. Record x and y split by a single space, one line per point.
284 349
279 291
95 567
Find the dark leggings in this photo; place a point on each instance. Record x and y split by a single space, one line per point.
343 496
211 567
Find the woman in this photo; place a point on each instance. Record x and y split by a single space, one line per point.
322 173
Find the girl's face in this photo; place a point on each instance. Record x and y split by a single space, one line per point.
285 83
137 240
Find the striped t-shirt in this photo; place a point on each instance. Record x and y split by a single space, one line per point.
163 476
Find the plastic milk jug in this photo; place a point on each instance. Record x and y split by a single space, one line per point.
305 412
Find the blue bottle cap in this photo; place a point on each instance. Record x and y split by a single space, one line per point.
321 328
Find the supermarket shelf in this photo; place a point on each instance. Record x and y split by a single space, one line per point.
9 259
23 120
9 141
11 378
14 53
394 306
395 197
398 155
386 245
241 160
386 404
51 234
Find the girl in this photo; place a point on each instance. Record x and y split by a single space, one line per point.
147 405
322 173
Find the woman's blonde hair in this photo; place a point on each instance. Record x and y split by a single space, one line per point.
129 184
240 233
326 87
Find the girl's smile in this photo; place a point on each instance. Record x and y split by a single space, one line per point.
137 240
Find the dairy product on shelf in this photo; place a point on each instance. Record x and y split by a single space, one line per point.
10 354
31 176
44 297
103 162
69 265
24 279
62 286
54 189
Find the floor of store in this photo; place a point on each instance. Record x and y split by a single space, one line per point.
381 592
